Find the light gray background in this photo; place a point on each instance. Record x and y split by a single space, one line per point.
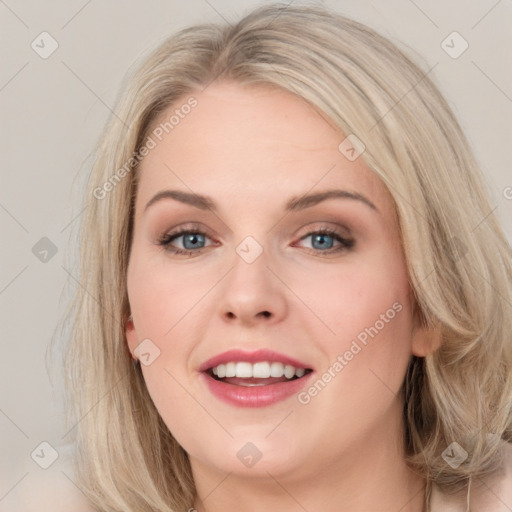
53 111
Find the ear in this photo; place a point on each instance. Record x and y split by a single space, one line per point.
425 340
131 335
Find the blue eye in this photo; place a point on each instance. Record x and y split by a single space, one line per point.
194 240
323 241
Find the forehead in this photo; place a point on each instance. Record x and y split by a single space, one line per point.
253 141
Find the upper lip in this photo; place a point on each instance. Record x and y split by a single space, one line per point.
251 357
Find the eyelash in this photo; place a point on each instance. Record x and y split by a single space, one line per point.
167 238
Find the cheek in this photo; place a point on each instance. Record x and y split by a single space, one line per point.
182 414
351 297
367 309
165 295
367 357
168 308
164 312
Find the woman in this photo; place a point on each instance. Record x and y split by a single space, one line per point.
294 294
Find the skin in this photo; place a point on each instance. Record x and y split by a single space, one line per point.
251 149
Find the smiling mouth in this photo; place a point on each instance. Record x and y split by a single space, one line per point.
263 373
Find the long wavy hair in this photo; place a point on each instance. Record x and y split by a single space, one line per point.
458 258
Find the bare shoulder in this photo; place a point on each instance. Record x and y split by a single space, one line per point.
491 494
47 490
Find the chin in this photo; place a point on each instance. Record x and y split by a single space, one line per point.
256 455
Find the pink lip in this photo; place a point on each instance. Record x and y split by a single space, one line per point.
250 357
252 396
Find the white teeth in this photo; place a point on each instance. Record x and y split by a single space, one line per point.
289 371
231 370
260 370
276 370
221 371
243 370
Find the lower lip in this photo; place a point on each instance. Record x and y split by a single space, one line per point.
254 396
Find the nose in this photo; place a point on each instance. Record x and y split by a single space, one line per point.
252 293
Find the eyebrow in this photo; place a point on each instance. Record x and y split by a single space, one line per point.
294 204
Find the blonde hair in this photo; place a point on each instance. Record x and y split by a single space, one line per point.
458 258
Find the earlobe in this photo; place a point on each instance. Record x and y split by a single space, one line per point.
425 341
131 335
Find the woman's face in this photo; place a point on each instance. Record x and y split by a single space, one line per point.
290 278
